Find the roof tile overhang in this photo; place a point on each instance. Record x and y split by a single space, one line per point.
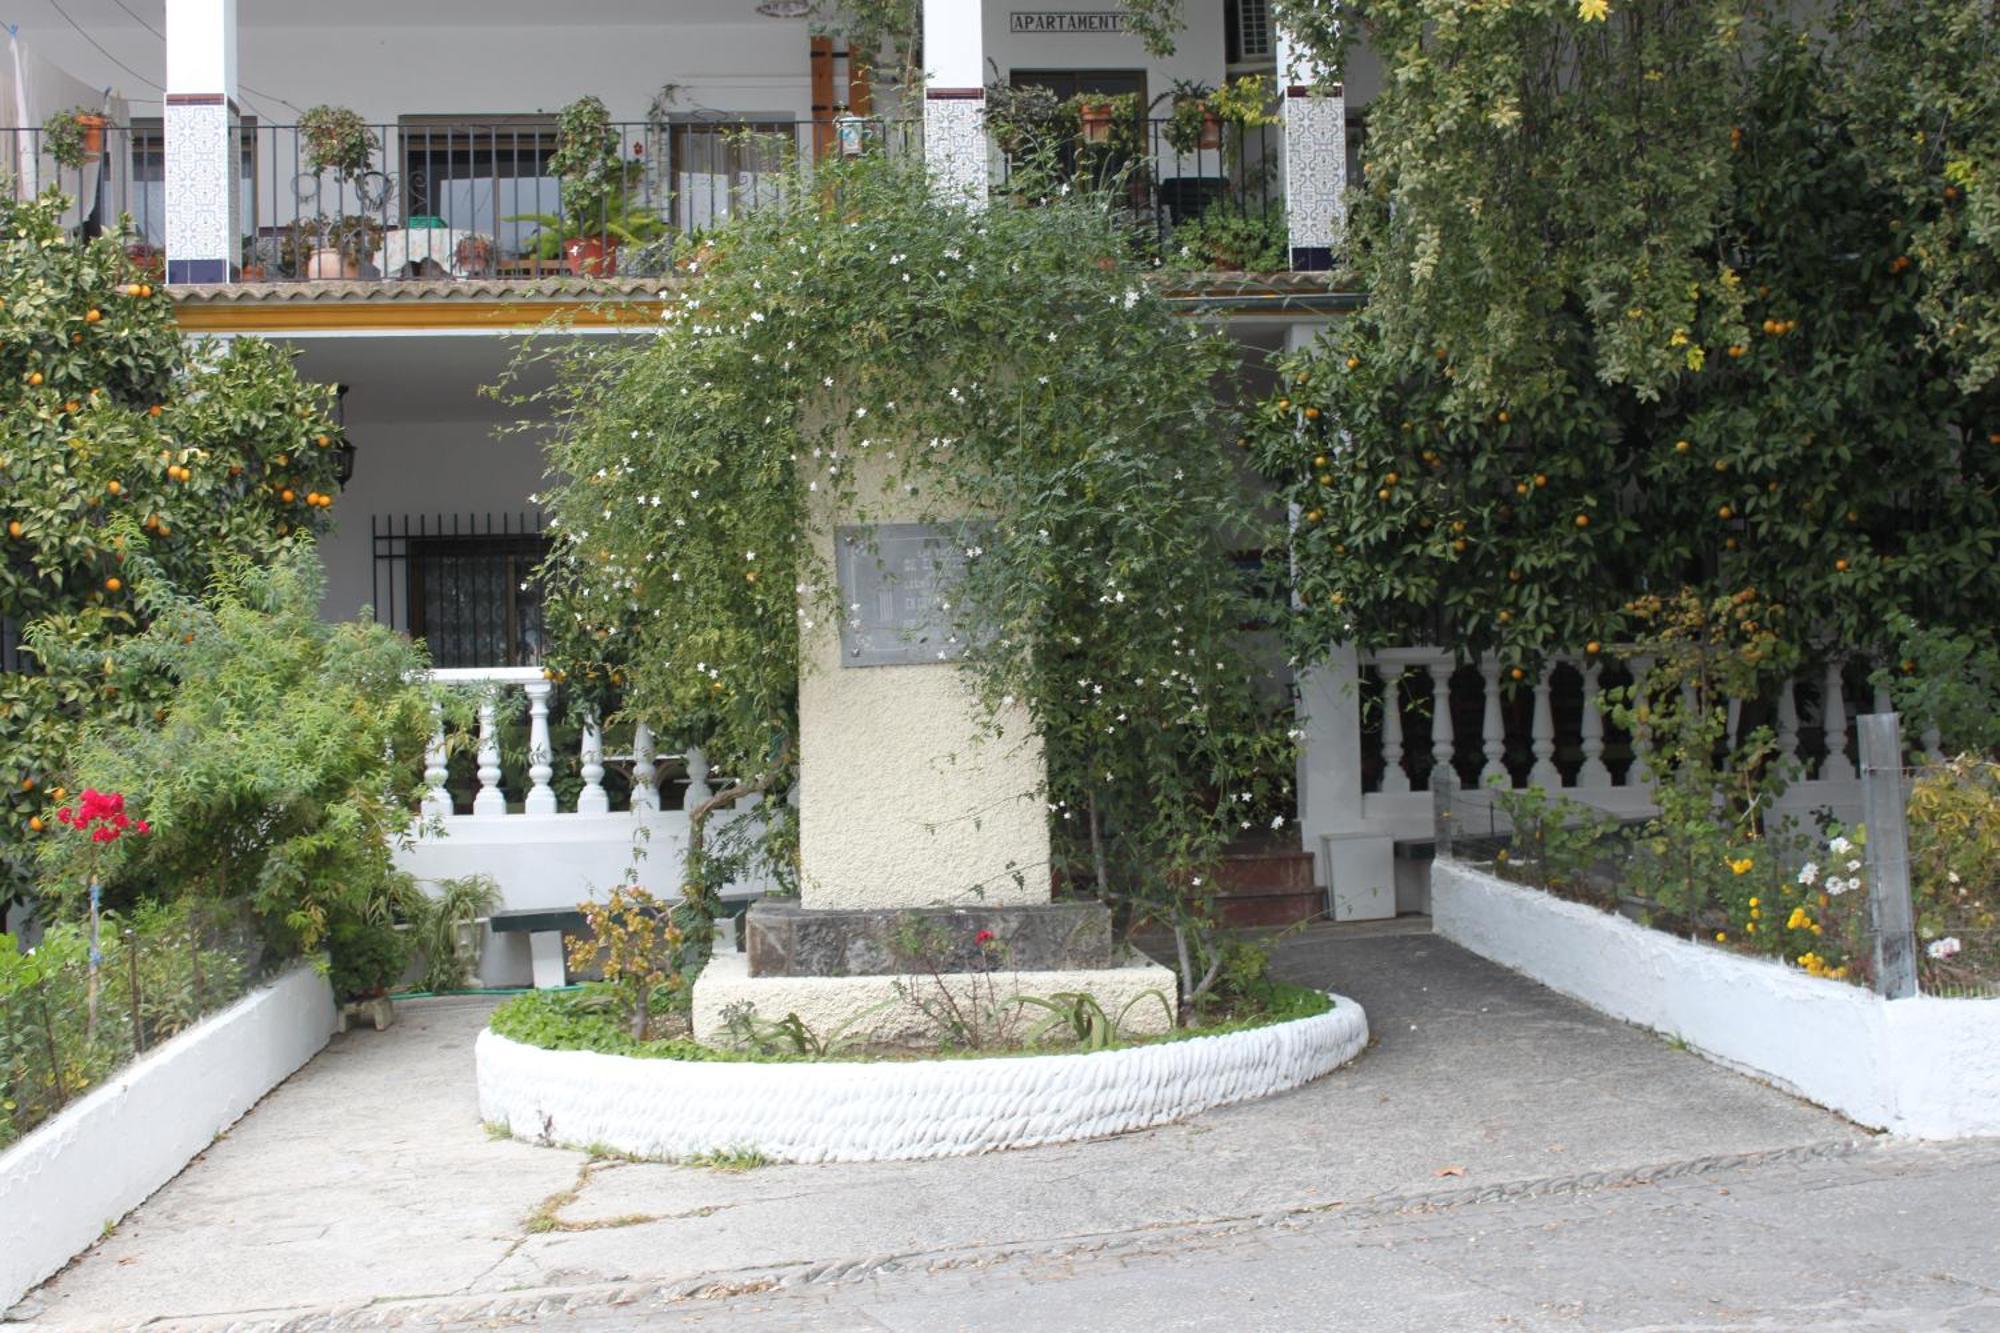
495 304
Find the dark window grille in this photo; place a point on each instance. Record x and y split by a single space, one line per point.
464 584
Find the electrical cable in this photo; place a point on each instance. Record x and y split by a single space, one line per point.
57 6
138 18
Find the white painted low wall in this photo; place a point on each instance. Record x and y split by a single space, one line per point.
105 1153
846 1111
1927 1068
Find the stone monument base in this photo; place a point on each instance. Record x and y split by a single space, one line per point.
787 939
870 1010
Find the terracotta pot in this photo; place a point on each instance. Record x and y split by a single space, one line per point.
591 256
1096 118
252 273
1211 130
330 265
93 135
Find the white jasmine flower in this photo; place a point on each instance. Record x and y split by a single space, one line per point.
1808 874
1839 846
1945 947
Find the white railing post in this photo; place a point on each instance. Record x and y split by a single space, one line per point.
1641 772
1395 778
1493 730
541 798
437 800
698 789
1836 767
645 776
1593 774
1788 725
1444 745
491 802
1542 739
592 800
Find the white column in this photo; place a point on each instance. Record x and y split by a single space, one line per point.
955 98
645 776
1593 774
592 800
1836 767
201 123
1315 129
1444 744
491 802
1493 729
437 800
1542 739
541 797
1395 778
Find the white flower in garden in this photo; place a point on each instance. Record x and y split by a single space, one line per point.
1836 886
1839 846
1951 876
1854 865
1945 947
1808 873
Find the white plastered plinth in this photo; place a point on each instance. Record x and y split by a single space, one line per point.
880 1009
843 1111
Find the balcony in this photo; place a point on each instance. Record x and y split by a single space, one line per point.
443 201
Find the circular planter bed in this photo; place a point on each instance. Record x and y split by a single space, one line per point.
860 1111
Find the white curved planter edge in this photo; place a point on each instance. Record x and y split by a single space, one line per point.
846 1111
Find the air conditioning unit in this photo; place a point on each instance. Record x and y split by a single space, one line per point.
1253 29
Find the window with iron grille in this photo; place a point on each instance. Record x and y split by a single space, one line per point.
464 585
1247 30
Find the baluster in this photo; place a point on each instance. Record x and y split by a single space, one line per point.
592 800
1590 726
1788 726
1836 767
541 797
1493 730
1641 772
491 802
1933 743
1444 745
698 789
1395 778
645 776
1542 740
437 800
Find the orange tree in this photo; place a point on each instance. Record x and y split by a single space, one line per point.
1645 312
119 436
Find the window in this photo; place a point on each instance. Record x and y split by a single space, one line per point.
1068 83
720 167
1246 30
476 175
463 584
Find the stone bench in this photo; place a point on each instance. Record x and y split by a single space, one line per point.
545 928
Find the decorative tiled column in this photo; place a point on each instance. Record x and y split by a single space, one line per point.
955 98
202 126
1315 114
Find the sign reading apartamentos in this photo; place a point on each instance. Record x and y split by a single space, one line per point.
1065 24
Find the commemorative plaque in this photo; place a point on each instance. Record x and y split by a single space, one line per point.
896 589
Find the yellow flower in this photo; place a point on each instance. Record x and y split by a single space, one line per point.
1741 867
1593 11
1722 937
1755 901
1750 927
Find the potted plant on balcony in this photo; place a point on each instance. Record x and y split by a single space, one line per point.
1027 119
587 161
337 140
74 138
1192 123
330 249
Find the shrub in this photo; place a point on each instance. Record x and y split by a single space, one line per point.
366 957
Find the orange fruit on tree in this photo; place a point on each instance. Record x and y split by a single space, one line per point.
1840 566
14 528
1313 516
1503 418
1517 673
92 315
1583 520
131 289
34 823
154 410
1312 414
286 496
1541 479
1725 512
1593 648
1682 446
1353 361
113 487
113 584
34 379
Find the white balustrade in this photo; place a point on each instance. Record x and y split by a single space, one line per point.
1836 767
1592 775
1444 743
1493 730
1542 740
1395 778
492 686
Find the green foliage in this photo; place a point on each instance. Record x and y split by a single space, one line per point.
1004 363
1954 858
1081 1020
791 1035
1946 681
586 159
642 944
444 929
1555 841
118 437
367 957
337 139
284 762
1643 313
1221 238
164 966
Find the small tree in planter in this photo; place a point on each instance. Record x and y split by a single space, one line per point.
1192 124
337 140
586 159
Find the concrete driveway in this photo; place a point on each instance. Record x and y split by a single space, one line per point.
364 1191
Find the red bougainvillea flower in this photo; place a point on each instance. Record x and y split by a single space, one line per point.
983 937
101 814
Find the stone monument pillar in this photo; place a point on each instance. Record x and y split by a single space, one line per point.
921 820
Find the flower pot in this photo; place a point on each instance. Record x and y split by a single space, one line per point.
1211 131
1096 119
252 273
150 260
93 135
331 265
591 256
